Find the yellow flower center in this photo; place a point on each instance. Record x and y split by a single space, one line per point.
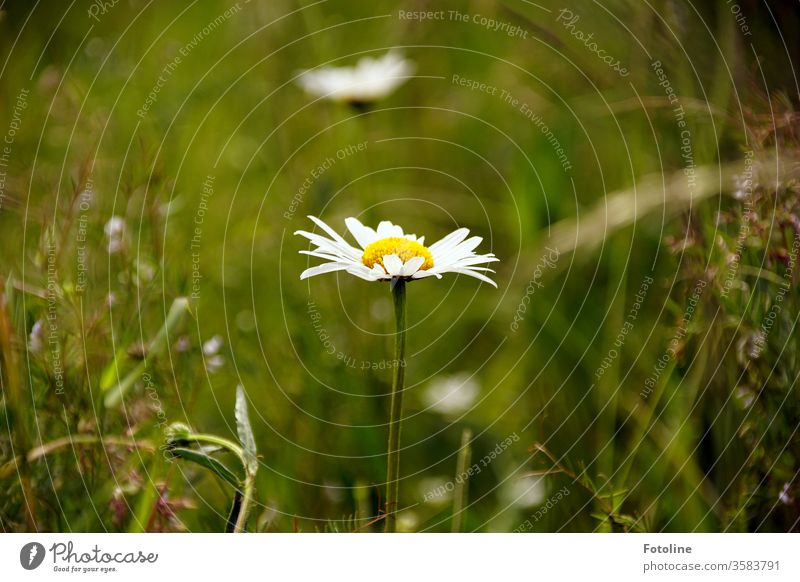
394 245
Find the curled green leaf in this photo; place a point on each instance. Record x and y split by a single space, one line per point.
245 431
209 462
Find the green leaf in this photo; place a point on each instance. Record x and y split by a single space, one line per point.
208 462
177 311
179 308
245 431
115 394
109 376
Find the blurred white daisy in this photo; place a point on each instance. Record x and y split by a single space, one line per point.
388 253
451 395
370 80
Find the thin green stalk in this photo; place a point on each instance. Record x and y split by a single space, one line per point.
144 514
244 508
396 410
461 481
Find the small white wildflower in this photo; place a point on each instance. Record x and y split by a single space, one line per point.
115 232
214 363
36 339
182 344
742 187
115 227
212 347
784 496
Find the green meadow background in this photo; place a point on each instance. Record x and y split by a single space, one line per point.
619 397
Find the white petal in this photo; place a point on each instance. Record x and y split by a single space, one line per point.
426 273
364 235
323 255
379 272
450 240
331 246
470 244
324 268
476 260
374 274
466 261
362 272
484 269
393 265
411 266
334 235
472 273
387 229
461 250
328 82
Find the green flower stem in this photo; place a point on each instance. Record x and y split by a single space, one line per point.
247 498
396 410
219 442
462 481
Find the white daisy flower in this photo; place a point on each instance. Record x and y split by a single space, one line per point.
388 253
370 80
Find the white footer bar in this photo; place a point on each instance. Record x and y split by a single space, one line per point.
371 557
